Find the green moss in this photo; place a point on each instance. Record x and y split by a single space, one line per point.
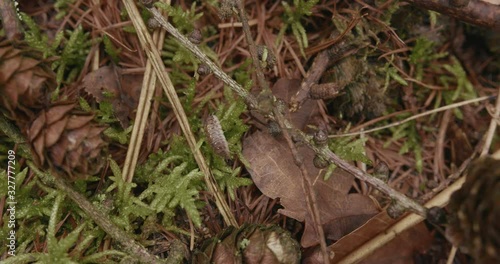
71 47
293 20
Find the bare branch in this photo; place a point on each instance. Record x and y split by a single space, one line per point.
478 12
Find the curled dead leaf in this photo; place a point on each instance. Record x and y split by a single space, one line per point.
110 85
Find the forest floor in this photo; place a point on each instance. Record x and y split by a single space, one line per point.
123 153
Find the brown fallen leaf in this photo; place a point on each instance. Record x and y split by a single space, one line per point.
403 248
399 250
274 172
110 85
276 175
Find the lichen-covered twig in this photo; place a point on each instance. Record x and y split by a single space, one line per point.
249 99
261 79
128 244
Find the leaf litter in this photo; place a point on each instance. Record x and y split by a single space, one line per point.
274 172
109 84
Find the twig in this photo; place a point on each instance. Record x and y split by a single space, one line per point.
317 69
261 79
375 182
129 245
439 149
443 108
154 56
477 12
310 195
250 100
451 256
266 95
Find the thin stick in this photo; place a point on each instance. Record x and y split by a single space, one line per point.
133 248
479 12
443 108
375 182
252 47
310 195
451 256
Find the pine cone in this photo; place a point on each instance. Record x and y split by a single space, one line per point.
250 244
474 224
64 139
25 81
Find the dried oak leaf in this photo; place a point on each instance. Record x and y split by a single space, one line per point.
402 249
122 91
274 172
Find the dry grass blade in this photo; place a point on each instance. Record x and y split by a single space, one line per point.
451 106
154 56
493 125
147 91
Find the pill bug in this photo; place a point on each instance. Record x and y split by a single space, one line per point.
215 136
324 91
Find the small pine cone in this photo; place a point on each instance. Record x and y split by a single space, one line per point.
65 140
474 224
250 244
25 81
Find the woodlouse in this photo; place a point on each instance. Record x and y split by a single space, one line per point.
215 136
